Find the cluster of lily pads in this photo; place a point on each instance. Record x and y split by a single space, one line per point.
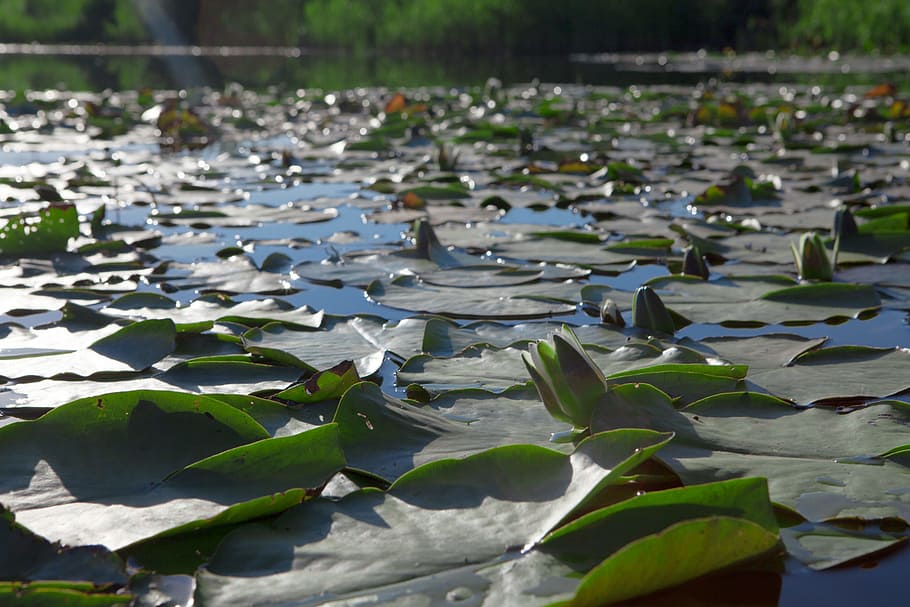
532 345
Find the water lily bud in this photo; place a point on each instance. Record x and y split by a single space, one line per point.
424 238
610 314
811 258
649 312
569 382
844 223
448 161
694 263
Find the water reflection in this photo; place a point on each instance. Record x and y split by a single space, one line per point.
31 67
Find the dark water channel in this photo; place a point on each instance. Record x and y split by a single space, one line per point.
92 68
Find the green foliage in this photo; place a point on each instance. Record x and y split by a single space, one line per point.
469 26
532 26
848 24
47 231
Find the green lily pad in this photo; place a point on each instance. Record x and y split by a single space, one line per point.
686 382
237 274
520 493
666 559
252 313
54 593
443 337
237 376
825 546
515 302
28 557
324 385
386 437
81 454
762 300
362 339
497 369
132 348
588 540
843 372
822 475
47 231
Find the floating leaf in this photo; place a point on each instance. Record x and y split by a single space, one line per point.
519 493
47 231
683 552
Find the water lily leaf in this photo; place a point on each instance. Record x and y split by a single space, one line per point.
475 367
246 216
666 559
759 352
842 372
28 557
764 300
278 419
443 337
47 231
472 277
586 541
821 474
243 483
877 246
237 274
887 274
55 593
361 270
132 348
495 369
437 192
84 453
196 375
686 382
363 339
252 313
563 251
324 385
540 579
753 247
22 302
517 302
237 376
515 414
387 437
518 493
18 342
822 546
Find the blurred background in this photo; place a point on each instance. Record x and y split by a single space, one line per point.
400 42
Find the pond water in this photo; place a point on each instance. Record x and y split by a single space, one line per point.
92 68
314 180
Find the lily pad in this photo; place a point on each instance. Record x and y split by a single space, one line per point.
363 339
521 492
132 348
514 302
762 300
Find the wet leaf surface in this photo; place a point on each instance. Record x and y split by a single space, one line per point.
190 302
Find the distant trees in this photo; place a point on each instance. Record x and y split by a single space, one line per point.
470 26
536 26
